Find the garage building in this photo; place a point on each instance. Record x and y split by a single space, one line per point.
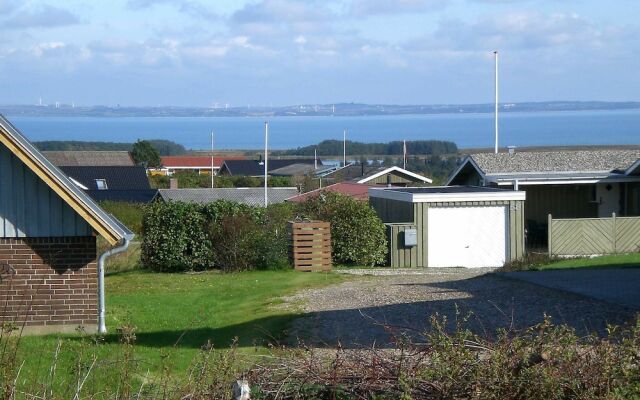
452 226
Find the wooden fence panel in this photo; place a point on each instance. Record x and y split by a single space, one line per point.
592 236
627 234
311 245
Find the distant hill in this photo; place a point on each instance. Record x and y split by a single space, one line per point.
164 147
337 109
335 148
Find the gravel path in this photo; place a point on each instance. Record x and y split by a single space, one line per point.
364 311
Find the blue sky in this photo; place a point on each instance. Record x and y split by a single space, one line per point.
280 52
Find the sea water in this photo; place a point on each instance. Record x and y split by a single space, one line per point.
466 130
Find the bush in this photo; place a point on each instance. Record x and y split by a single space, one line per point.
175 238
227 235
357 234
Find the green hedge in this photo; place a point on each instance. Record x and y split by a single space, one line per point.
230 236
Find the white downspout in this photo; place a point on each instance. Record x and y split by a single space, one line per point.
102 326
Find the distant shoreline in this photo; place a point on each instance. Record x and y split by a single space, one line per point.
324 110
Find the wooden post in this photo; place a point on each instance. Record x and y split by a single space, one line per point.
550 221
614 239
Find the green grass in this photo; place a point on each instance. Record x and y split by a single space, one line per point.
174 315
608 261
129 214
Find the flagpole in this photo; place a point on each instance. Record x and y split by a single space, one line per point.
496 105
266 155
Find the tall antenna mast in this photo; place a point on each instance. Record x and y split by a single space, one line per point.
495 53
344 148
211 159
266 154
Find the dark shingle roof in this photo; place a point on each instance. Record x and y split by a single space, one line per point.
89 158
250 196
556 161
255 168
117 177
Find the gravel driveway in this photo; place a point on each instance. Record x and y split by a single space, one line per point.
363 311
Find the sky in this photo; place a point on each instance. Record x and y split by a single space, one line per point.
288 52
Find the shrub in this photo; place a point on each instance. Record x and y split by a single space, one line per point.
228 235
175 237
245 237
357 234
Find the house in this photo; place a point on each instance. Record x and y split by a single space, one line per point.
89 158
49 278
198 164
113 183
358 191
249 196
256 167
374 176
453 226
566 184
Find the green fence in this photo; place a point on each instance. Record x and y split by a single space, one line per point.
591 236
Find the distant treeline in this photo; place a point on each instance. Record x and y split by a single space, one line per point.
164 147
334 148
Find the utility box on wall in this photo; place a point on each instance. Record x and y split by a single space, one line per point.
410 237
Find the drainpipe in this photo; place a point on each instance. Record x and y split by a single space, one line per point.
102 326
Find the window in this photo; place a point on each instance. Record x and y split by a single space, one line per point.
101 184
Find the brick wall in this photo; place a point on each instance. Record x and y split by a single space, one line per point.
49 284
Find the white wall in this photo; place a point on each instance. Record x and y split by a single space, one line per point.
609 200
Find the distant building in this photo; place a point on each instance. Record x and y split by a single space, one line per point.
358 191
276 167
249 196
372 176
113 183
198 164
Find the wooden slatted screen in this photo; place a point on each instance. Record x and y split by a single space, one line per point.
311 245
592 236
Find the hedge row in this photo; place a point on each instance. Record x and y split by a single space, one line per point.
181 236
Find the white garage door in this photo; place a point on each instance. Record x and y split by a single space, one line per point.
469 237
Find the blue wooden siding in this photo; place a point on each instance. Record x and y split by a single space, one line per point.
29 208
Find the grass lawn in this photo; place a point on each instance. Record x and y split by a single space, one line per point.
609 261
174 315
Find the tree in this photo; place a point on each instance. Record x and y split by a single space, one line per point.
143 152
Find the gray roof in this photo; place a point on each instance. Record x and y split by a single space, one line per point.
250 196
293 170
89 158
556 161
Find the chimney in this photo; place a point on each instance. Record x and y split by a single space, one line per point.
512 150
173 183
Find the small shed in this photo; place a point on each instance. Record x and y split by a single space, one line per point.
452 226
